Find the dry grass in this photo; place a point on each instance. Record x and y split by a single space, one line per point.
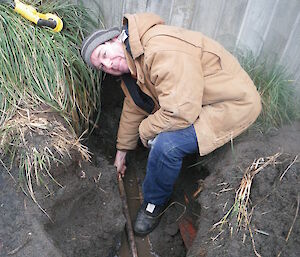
239 209
39 139
46 91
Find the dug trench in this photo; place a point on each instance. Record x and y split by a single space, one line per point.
87 217
207 187
167 238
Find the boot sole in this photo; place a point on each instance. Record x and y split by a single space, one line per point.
142 234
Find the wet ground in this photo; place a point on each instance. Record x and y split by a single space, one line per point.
274 199
166 238
86 217
87 213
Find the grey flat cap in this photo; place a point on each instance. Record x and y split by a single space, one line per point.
97 38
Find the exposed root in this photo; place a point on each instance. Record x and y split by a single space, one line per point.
294 220
28 238
243 193
281 177
240 207
37 140
8 171
293 223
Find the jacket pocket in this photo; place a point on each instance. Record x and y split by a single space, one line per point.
211 63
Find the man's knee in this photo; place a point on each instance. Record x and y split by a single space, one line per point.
164 145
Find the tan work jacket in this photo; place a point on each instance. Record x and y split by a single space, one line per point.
192 79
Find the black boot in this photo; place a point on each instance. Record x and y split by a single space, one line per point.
147 218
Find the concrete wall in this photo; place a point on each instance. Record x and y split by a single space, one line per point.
270 28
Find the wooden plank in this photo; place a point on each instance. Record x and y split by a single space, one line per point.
110 10
291 54
116 13
94 8
135 6
297 85
113 12
280 29
206 15
255 23
182 13
230 22
161 8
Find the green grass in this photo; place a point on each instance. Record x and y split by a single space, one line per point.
42 72
277 90
40 66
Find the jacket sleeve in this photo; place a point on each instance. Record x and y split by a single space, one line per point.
131 118
178 80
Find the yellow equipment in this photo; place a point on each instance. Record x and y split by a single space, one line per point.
43 20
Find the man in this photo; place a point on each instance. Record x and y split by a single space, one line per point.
184 93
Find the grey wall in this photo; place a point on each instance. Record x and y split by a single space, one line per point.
270 28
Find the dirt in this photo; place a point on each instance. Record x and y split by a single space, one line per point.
87 214
165 239
275 221
275 202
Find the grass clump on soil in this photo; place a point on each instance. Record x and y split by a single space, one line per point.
239 209
48 96
244 213
277 89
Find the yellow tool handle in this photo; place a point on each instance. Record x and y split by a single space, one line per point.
44 20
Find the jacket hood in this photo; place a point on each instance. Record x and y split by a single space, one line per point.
138 24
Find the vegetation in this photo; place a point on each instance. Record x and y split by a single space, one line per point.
238 217
43 74
276 88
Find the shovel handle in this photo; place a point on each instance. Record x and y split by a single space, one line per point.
127 216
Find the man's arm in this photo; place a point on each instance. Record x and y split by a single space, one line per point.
128 134
179 88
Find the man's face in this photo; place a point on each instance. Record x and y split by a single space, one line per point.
110 58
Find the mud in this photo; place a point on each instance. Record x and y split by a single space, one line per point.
275 203
87 215
275 221
88 219
165 239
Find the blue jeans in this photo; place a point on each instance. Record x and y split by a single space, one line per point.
164 163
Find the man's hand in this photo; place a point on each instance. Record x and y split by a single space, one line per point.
120 162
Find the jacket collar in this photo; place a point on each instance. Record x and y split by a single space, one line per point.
134 39
134 67
130 61
138 24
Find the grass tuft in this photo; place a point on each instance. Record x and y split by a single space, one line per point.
42 74
239 209
277 89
